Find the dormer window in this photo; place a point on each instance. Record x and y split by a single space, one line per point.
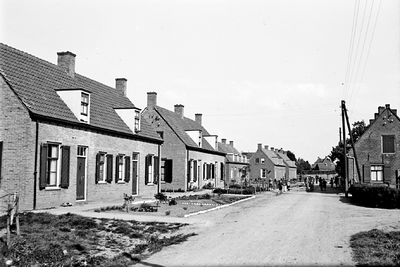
84 107
137 121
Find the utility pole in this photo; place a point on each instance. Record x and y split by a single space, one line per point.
346 184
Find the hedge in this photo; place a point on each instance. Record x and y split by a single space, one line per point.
376 196
245 191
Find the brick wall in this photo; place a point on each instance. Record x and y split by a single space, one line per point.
369 146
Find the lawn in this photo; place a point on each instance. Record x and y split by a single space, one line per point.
176 207
73 240
376 248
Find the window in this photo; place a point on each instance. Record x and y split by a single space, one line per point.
257 160
263 173
376 172
81 151
387 143
151 169
119 168
102 167
84 107
54 170
262 160
137 121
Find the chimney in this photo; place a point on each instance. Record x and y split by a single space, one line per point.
120 84
380 110
371 121
387 106
266 146
66 60
151 100
223 140
179 110
197 118
272 148
259 146
231 143
376 115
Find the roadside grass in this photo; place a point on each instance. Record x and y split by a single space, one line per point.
376 248
73 240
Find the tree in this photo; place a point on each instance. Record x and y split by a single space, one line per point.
291 155
302 165
359 127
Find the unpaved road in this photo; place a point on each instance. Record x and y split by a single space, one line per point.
295 228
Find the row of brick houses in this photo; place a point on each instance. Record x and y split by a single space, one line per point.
65 138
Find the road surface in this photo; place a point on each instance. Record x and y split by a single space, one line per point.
292 229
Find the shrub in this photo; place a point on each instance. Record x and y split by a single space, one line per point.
208 186
172 202
380 196
160 196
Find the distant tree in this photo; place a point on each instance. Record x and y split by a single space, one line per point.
336 155
302 165
291 155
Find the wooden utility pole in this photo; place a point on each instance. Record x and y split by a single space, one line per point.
346 184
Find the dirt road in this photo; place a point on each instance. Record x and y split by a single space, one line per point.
295 228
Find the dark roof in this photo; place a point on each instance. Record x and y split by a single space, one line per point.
35 82
180 125
227 148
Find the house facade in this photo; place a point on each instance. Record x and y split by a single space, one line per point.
266 164
67 138
291 168
378 150
236 167
190 154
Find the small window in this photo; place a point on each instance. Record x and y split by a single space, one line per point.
262 160
388 144
137 121
120 168
376 173
81 151
84 104
257 160
263 173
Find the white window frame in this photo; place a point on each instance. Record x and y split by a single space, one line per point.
136 123
376 173
57 182
84 116
121 168
262 160
263 173
103 176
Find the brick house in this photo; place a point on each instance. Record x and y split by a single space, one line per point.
190 155
378 150
236 164
67 138
290 166
265 164
324 164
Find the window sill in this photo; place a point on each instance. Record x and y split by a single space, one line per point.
102 182
150 184
52 188
121 182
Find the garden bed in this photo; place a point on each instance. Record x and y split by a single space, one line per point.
176 207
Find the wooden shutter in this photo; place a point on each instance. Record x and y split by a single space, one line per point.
1 156
367 173
117 158
97 174
109 168
168 171
156 170
195 171
127 169
65 160
146 170
386 174
43 166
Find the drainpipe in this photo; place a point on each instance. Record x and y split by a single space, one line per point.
35 168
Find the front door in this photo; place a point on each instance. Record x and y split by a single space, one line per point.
80 179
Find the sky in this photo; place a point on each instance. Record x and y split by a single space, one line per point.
272 72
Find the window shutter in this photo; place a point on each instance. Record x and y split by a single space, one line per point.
168 171
43 166
156 170
386 174
65 166
127 169
367 173
97 178
146 170
195 171
117 158
109 168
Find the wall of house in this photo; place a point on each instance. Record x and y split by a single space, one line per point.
369 147
17 132
255 169
172 148
234 172
95 142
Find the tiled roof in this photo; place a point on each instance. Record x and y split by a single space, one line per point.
181 125
273 157
35 80
227 148
286 159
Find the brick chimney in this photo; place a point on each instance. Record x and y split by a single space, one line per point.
223 140
272 148
198 118
231 143
380 110
151 100
266 147
179 110
120 84
66 60
259 146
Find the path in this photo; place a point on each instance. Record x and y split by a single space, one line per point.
296 228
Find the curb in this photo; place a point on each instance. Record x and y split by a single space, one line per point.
218 207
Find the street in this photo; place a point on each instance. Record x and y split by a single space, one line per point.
295 228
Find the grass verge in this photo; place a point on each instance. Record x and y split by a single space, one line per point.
376 248
73 240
